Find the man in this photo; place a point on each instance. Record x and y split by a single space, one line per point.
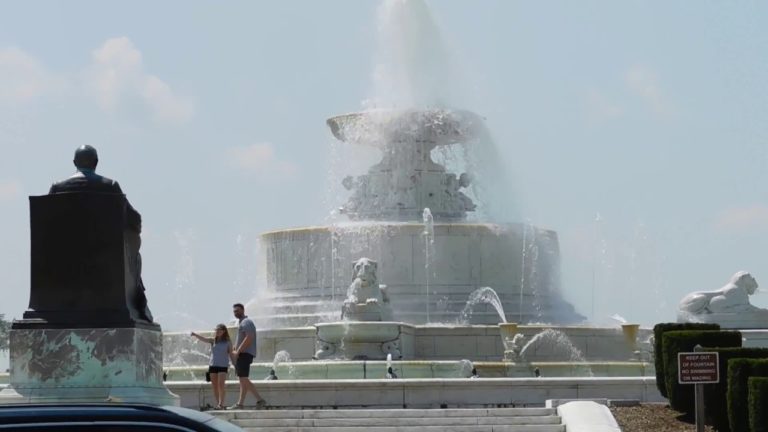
245 351
86 180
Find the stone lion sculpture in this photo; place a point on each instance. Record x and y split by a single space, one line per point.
365 284
366 299
732 298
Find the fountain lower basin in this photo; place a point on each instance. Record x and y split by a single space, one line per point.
363 340
477 343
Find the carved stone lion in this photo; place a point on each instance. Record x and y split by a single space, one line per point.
366 299
365 284
732 298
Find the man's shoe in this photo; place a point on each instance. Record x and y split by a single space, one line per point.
261 404
235 407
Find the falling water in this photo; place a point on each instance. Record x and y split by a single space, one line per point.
389 373
429 244
531 261
181 353
334 258
465 368
522 274
557 343
619 319
283 357
482 295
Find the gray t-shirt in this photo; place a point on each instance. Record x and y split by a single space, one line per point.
220 354
247 327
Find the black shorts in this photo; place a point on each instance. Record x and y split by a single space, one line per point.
217 369
243 365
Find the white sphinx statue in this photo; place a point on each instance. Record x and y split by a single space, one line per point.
728 306
366 299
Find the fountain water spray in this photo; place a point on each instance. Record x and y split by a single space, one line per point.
522 275
466 369
280 358
558 343
482 295
429 244
390 372
619 319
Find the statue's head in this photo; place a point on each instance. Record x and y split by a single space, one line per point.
465 180
86 157
745 280
365 270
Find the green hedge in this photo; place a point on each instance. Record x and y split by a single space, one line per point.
739 371
681 396
658 360
715 395
758 401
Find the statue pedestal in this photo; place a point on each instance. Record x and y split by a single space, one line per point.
86 365
366 312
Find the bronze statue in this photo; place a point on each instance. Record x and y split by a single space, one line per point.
86 180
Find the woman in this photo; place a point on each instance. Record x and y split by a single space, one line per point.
221 353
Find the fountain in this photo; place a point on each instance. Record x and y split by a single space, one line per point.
417 225
409 212
414 224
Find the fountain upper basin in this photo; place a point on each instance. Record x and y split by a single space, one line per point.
381 128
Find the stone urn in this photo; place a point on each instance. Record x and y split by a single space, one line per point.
630 335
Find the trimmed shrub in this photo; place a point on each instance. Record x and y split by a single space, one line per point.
758 401
739 372
715 395
658 357
681 396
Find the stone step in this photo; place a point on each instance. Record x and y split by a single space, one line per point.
460 428
386 413
398 421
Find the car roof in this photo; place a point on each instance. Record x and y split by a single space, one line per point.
35 413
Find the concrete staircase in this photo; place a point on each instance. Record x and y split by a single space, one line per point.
398 420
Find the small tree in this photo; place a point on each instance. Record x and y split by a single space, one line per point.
5 328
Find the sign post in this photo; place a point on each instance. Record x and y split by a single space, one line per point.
698 368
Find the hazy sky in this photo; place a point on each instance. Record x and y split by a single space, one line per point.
211 115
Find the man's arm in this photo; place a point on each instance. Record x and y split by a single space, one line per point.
250 334
243 344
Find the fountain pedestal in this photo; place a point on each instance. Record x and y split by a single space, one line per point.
372 311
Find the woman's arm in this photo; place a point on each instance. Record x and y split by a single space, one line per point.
231 352
202 338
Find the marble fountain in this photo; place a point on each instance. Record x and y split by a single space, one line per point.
409 283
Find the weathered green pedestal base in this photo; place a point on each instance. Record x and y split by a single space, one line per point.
87 365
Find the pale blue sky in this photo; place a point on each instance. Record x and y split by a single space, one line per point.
212 117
